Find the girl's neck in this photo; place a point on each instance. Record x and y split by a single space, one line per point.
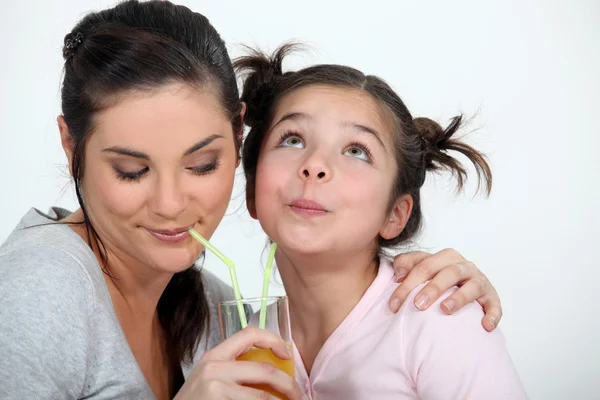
322 291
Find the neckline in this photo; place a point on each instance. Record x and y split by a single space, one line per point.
336 340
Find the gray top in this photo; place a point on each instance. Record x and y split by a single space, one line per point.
59 335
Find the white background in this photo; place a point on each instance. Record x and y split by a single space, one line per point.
530 71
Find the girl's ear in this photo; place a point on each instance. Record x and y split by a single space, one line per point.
398 217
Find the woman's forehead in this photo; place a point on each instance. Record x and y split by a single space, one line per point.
171 113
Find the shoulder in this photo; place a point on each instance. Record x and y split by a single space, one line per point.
453 356
48 262
46 301
426 329
45 280
468 317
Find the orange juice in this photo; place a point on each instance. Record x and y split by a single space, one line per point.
266 355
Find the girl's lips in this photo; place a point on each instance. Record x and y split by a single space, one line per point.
308 208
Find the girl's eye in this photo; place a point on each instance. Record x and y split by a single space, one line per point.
292 141
359 152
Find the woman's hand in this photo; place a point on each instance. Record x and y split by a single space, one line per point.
444 270
219 376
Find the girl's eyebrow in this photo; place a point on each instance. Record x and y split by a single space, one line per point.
293 116
364 129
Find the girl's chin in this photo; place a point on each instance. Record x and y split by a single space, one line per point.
302 249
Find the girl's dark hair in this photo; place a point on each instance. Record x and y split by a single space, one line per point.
421 144
142 46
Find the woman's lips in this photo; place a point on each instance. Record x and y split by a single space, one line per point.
170 235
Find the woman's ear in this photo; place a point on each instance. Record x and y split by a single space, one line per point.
250 204
398 217
66 140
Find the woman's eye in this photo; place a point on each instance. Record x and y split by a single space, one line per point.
130 176
292 141
357 152
204 169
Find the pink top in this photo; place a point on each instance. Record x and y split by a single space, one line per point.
413 354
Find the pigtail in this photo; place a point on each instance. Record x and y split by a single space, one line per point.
260 73
437 142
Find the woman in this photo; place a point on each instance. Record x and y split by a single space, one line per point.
102 302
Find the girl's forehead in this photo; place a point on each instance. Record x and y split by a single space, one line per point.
333 104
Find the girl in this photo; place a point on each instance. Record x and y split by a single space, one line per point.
334 163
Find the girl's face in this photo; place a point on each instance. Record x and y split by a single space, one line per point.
157 164
325 173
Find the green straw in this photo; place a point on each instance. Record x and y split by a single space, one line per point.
266 281
232 274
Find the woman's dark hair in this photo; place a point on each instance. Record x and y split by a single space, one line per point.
143 46
421 144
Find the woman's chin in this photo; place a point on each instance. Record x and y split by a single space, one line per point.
173 263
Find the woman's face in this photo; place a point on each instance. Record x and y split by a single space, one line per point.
157 164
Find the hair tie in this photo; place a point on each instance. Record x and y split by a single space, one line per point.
71 44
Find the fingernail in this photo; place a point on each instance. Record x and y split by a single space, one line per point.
401 273
395 305
493 321
422 301
449 305
290 353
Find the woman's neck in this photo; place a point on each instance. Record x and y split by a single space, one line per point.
322 291
135 289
